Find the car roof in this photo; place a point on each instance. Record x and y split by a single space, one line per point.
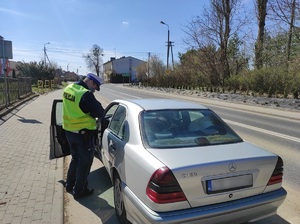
161 104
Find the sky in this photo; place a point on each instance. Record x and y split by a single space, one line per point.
69 28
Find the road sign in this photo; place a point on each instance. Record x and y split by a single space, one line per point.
7 49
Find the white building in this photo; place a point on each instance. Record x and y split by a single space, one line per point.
124 68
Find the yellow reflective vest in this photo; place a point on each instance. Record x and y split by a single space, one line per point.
74 119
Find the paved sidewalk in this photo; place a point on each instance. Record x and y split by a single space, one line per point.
31 189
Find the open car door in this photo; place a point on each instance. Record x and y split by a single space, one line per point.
58 142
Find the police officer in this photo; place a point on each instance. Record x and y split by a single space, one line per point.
80 110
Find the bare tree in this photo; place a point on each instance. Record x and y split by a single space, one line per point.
141 72
214 28
93 59
261 13
156 70
284 11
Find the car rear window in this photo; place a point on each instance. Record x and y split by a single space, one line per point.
185 128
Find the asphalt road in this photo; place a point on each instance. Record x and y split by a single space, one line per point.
257 125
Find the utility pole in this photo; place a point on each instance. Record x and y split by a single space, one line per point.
45 54
77 69
169 45
148 66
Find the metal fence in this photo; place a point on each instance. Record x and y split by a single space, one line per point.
13 89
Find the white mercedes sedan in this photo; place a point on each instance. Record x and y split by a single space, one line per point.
178 162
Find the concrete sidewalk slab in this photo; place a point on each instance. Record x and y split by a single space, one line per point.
31 189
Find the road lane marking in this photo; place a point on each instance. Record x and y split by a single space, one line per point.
263 131
241 125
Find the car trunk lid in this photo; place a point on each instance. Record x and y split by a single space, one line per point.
214 174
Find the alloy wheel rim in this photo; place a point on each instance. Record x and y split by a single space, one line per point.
118 197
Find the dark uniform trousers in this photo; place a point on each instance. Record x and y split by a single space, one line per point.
82 150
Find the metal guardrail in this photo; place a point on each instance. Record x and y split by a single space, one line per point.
13 89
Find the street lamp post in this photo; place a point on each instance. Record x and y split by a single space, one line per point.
168 45
45 54
68 67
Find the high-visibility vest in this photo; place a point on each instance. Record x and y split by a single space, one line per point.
74 119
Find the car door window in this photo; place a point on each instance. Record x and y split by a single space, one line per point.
107 118
58 114
110 112
117 125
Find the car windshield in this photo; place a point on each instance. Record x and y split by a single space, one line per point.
185 128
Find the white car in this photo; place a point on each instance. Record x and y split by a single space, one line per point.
178 162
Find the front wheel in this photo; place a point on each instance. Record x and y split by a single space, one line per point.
118 200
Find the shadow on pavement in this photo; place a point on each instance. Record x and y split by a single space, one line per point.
101 202
29 121
275 219
24 120
13 109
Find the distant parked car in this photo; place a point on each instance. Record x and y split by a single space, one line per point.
178 162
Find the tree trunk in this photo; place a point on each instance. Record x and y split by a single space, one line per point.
261 10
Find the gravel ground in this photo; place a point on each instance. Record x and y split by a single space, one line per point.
280 103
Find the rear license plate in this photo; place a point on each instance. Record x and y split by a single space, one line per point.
229 183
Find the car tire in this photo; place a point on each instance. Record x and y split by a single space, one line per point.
118 200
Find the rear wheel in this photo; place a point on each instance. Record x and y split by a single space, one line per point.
118 200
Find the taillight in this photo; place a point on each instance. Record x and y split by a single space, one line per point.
164 188
277 173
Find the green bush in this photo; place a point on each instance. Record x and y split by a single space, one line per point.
267 80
